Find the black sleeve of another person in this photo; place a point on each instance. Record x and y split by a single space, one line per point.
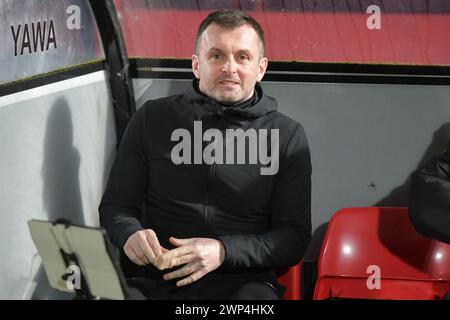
430 198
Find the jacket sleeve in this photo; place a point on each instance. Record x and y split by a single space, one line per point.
120 208
290 228
429 206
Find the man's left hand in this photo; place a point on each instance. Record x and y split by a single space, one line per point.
199 255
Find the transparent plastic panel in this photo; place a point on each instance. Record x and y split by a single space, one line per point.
40 36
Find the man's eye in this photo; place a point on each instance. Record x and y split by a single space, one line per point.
243 57
216 56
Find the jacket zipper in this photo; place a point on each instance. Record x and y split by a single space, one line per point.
211 174
206 211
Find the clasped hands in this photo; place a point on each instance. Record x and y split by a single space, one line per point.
198 255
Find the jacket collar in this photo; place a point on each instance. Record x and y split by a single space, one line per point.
262 104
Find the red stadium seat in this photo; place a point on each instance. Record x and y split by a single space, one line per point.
375 253
290 278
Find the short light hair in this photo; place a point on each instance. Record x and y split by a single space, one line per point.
230 19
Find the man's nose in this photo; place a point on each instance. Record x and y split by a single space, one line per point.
230 66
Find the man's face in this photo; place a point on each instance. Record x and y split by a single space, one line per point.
228 64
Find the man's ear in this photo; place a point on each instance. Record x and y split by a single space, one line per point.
262 67
195 66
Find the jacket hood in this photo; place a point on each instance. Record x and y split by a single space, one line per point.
261 106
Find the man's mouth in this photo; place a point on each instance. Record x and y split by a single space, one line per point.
229 82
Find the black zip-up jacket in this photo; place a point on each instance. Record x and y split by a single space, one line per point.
263 221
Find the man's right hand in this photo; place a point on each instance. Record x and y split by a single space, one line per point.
143 247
